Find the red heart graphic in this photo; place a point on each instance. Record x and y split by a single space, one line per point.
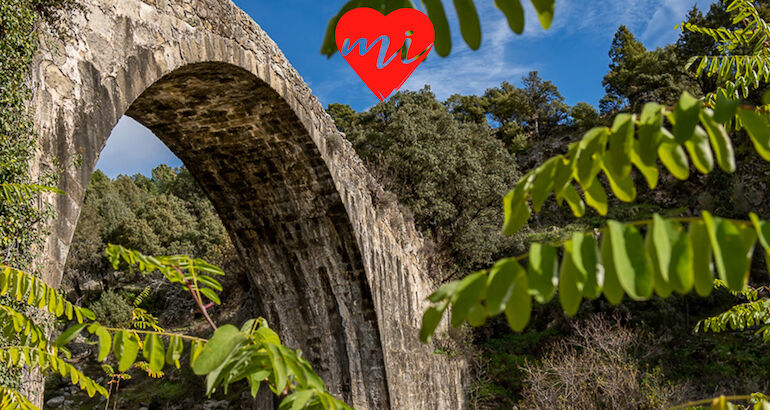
371 43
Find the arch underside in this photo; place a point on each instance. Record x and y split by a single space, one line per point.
265 176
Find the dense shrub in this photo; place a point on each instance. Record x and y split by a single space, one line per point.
112 310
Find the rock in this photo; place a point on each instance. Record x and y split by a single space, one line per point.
215 405
91 287
55 401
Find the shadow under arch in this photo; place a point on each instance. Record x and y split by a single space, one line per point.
265 177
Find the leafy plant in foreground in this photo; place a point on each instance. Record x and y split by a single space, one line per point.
660 255
253 352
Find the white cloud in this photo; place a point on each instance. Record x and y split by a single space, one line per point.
131 149
652 21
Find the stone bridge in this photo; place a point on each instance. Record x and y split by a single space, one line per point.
339 275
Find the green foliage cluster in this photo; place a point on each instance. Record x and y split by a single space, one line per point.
449 174
165 214
450 163
112 310
470 26
253 353
673 260
743 61
18 43
669 258
21 230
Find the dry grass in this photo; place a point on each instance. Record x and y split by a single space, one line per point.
595 369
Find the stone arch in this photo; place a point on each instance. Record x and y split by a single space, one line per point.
341 278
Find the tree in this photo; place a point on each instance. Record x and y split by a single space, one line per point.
448 173
530 113
638 76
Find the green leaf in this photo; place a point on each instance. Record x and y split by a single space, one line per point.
430 320
758 130
70 334
297 400
543 183
700 151
660 284
545 11
725 108
210 282
681 270
477 315
617 161
661 245
624 189
211 295
278 362
649 171
629 260
174 351
444 292
596 197
329 45
612 289
542 268
673 254
575 202
126 348
650 134
267 335
105 341
469 23
674 158
514 13
702 266
585 257
563 175
570 283
500 284
471 289
589 155
763 230
720 141
225 339
154 352
686 113
519 307
516 208
732 246
87 313
437 15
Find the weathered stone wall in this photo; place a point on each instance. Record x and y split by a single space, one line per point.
340 278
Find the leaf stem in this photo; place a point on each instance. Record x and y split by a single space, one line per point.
145 332
196 297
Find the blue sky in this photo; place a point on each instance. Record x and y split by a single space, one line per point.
572 54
